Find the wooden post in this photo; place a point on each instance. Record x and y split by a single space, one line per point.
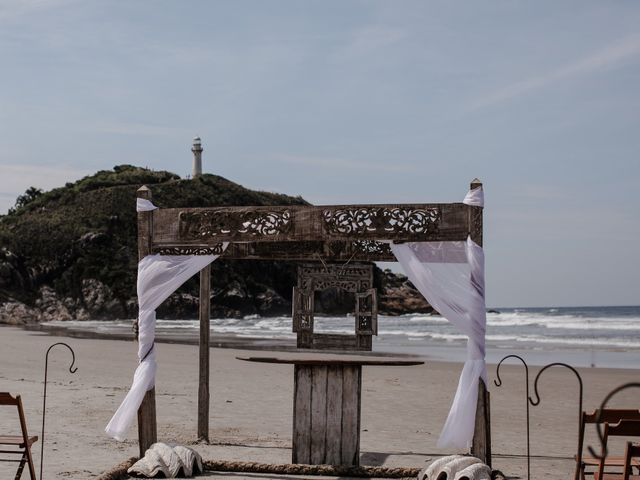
481 446
475 216
147 427
203 388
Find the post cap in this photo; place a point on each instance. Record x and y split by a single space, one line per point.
144 192
475 183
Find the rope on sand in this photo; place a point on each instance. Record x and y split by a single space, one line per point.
301 469
119 471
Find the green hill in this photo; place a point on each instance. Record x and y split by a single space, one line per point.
71 252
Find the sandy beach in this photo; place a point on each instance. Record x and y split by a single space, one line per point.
403 408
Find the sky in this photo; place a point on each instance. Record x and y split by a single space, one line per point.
347 101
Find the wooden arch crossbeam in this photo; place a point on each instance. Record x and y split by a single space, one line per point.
340 232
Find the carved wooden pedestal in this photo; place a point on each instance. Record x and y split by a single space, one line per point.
326 405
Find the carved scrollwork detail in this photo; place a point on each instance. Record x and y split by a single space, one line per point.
336 270
364 323
289 248
323 284
368 220
372 247
185 250
351 278
306 322
212 223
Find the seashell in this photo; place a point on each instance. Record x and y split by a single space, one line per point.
448 468
150 465
477 471
170 461
191 460
435 466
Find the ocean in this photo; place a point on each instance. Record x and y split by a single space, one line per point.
582 336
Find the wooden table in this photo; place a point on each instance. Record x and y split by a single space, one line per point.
326 405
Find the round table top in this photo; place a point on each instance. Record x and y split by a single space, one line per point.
333 360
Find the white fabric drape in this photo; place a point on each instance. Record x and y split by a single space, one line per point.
474 197
144 205
158 277
450 275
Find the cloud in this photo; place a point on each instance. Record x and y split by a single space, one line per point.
602 59
15 179
341 163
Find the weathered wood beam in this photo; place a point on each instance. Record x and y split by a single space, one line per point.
147 427
399 222
356 251
203 388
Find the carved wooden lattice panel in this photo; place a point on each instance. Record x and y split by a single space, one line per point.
205 224
355 278
302 310
392 221
367 313
351 278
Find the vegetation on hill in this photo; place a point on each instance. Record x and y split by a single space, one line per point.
71 252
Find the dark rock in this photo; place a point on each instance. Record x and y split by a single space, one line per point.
270 302
398 296
14 312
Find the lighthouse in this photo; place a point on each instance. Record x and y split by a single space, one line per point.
197 157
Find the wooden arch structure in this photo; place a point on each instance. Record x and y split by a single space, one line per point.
339 233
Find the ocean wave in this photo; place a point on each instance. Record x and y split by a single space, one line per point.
567 322
600 329
586 342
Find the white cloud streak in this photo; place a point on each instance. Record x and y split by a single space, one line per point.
600 60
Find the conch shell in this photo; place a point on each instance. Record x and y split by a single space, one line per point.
171 461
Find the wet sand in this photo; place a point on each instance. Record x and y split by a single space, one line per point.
403 408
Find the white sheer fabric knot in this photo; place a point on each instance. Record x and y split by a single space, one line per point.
144 205
475 197
158 277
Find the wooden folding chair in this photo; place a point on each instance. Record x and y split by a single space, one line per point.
624 428
633 452
21 443
610 416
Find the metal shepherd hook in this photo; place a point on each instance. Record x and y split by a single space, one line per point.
498 383
72 369
536 402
